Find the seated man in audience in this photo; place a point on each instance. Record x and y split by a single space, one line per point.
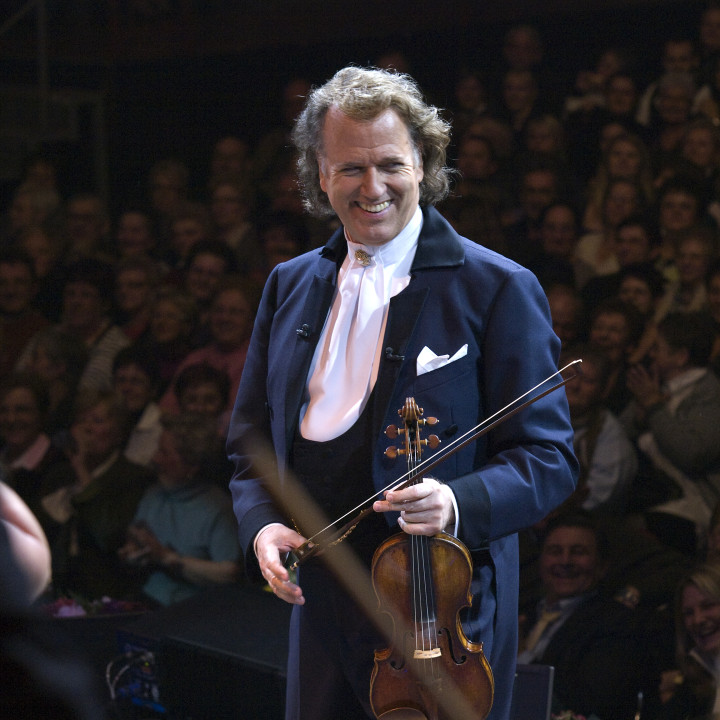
674 418
590 640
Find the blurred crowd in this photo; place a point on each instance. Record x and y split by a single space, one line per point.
123 338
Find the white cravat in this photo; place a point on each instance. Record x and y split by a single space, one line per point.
347 358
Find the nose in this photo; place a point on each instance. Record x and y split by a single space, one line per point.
372 185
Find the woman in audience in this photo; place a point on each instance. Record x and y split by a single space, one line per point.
184 533
231 320
86 519
691 690
33 464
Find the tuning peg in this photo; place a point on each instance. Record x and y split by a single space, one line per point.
429 421
432 441
391 452
391 431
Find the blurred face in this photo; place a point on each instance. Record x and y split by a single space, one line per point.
678 211
168 322
558 232
620 204
475 160
166 193
228 207
713 292
21 212
44 366
635 291
692 261
172 470
519 91
610 333
98 432
134 386
623 160
569 563
203 276
85 224
585 390
538 191
230 319
83 307
621 96
699 147
17 288
710 29
673 105
185 234
469 93
39 247
679 57
632 245
541 138
134 236
133 291
203 399
563 310
668 361
20 419
522 49
371 173
701 619
229 157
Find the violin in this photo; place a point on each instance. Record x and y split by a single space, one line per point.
431 670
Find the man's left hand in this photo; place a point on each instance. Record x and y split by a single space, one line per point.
425 508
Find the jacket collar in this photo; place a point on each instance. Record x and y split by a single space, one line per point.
438 245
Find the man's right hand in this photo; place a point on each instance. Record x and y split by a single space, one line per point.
272 543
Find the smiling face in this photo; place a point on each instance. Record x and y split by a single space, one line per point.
701 618
371 174
570 563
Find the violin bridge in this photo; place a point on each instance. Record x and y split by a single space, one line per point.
427 654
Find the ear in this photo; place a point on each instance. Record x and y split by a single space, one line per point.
322 176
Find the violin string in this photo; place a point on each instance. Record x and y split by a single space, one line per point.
442 451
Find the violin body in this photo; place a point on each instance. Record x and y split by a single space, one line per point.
431 671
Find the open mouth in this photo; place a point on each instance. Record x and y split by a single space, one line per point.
374 208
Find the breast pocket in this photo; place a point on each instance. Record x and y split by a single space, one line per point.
455 372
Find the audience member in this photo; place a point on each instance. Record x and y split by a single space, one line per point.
191 225
87 228
86 315
136 377
172 325
135 235
136 283
674 418
19 321
58 359
184 534
85 520
691 690
615 330
230 207
591 640
566 310
34 466
608 463
230 324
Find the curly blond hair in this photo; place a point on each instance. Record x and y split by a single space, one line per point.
362 94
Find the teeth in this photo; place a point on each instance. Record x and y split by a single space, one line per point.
374 208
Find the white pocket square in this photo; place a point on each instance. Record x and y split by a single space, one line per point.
427 360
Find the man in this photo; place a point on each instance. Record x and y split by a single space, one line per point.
333 358
590 640
674 418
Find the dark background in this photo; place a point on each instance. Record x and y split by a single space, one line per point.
174 75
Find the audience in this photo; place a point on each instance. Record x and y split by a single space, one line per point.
614 204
